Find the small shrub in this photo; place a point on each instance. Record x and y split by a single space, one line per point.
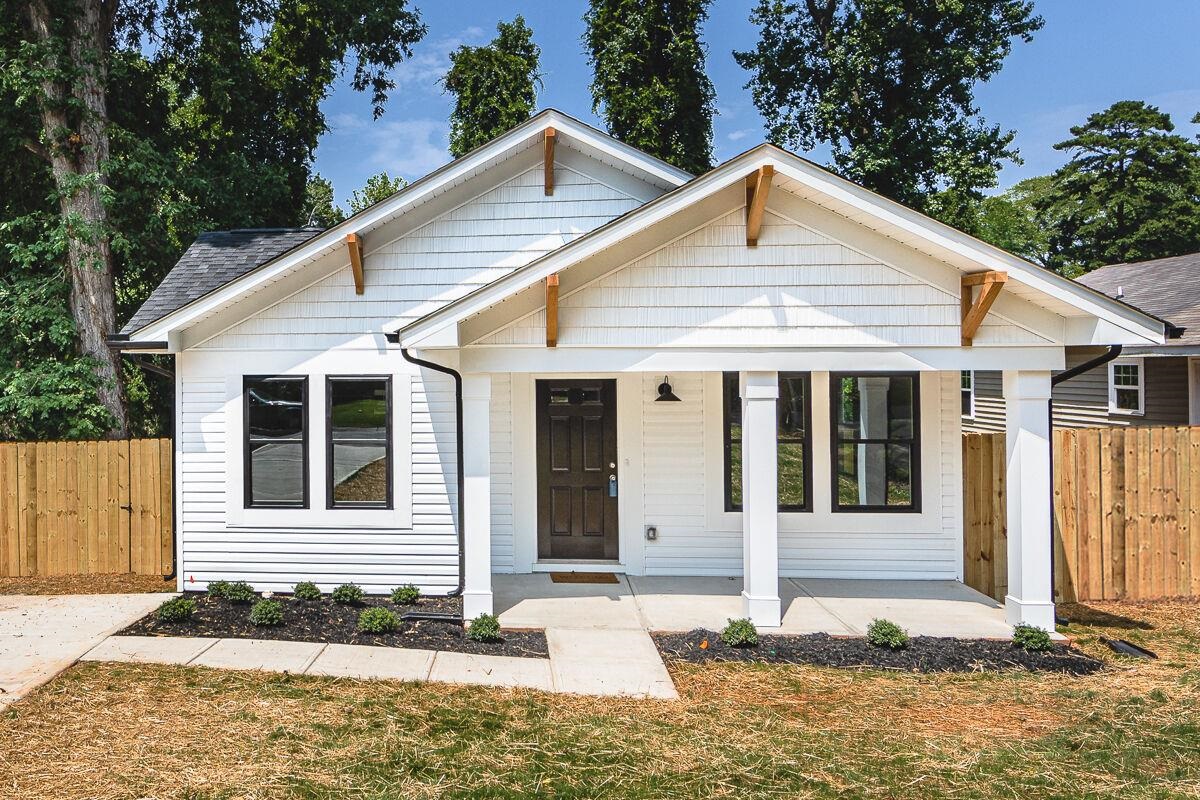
306 590
218 588
177 609
347 594
377 620
884 633
239 592
1031 638
406 595
740 633
484 628
267 613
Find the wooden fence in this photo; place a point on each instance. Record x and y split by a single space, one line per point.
79 508
1126 513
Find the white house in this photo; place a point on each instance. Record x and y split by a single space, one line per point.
559 353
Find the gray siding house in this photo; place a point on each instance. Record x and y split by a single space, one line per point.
1152 385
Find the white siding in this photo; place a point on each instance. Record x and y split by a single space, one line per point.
502 474
796 287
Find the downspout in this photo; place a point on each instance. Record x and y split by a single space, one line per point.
1114 351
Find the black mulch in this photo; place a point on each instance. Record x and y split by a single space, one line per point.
924 653
326 621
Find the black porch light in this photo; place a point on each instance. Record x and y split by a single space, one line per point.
664 392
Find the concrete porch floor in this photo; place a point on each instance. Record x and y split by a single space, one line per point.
810 605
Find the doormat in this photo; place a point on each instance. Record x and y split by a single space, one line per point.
583 577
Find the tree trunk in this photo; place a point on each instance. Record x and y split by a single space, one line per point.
77 155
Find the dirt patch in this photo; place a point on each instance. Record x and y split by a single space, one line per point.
329 622
924 653
87 584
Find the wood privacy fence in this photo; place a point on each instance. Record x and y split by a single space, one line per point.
1126 513
81 508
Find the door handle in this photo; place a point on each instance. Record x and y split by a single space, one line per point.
612 485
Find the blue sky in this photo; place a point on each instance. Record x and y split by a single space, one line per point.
1090 54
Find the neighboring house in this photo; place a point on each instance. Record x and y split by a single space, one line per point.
1146 385
567 355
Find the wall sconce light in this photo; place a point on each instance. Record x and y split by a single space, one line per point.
664 392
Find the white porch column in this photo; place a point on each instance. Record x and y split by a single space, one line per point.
760 499
476 495
1030 597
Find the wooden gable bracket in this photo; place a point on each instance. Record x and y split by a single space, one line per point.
974 309
552 310
758 186
551 137
354 245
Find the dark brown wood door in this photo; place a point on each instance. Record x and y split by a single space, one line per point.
577 469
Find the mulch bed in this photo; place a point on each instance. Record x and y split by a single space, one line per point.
326 621
924 653
87 584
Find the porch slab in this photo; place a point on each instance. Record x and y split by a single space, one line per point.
363 662
535 601
260 654
506 671
149 649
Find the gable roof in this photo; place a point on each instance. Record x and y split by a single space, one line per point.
189 300
816 184
213 260
1165 287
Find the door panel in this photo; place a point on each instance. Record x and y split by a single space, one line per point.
576 455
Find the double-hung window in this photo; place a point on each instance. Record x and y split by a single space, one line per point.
967 386
793 441
876 441
358 452
276 446
1127 386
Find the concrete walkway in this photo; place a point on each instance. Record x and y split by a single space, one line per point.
41 635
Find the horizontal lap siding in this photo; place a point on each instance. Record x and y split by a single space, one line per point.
502 474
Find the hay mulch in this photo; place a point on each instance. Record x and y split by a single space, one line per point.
87 584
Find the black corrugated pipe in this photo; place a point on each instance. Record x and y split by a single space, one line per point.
1113 352
458 427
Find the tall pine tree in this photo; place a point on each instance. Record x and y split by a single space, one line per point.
649 83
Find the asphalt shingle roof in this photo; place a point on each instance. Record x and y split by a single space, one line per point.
1166 287
213 260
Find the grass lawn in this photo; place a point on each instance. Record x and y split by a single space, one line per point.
127 731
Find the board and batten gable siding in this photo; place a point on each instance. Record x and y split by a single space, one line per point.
708 288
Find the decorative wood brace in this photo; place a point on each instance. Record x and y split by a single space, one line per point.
354 245
758 186
974 309
551 138
552 310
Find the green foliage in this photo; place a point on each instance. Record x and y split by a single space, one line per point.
347 594
267 613
884 633
377 620
406 595
319 208
484 628
1011 221
890 89
218 588
378 187
239 592
306 590
740 633
494 86
649 83
177 609
1031 638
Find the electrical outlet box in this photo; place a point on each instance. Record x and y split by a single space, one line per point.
651 532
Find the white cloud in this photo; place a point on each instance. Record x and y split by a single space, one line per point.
409 148
738 135
431 60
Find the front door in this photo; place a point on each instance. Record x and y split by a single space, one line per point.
577 469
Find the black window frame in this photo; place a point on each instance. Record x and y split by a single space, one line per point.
835 440
330 503
727 440
248 440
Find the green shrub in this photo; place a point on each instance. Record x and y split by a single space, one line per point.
406 595
218 588
1031 638
267 613
239 592
884 633
740 633
306 590
484 628
377 620
177 609
347 594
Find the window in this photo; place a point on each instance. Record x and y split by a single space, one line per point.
793 422
876 458
359 442
276 446
1127 386
968 393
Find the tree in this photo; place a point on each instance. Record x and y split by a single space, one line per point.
1130 192
649 83
889 86
1011 221
319 208
378 187
494 86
